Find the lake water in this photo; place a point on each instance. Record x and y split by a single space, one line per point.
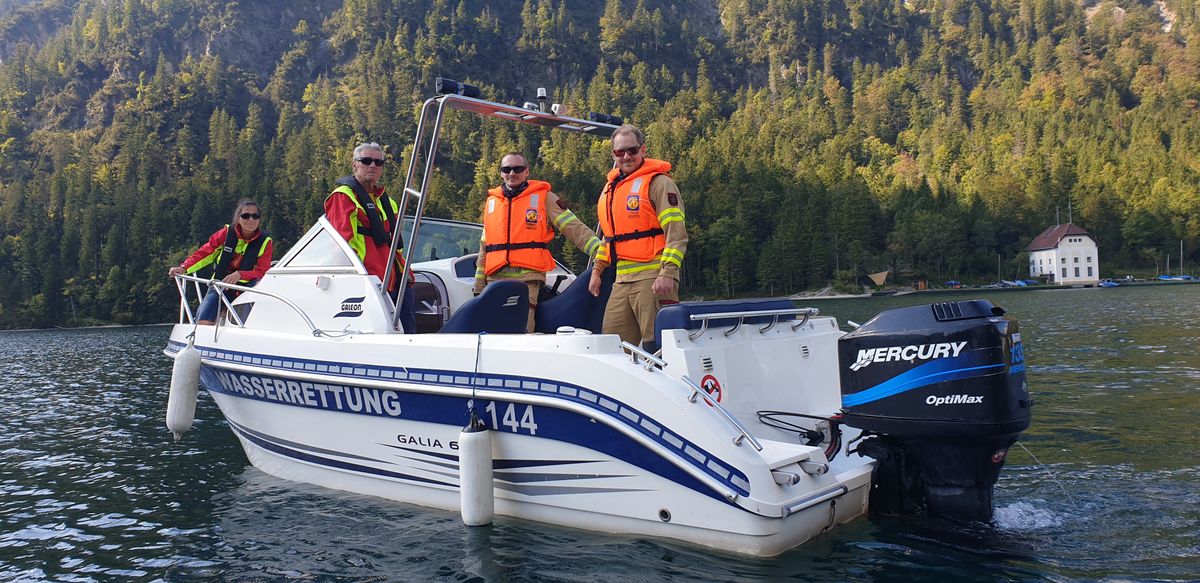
93 488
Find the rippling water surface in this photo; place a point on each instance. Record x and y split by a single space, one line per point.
93 488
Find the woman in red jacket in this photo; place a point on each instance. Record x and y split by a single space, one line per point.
223 256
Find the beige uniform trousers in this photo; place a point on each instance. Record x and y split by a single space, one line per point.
631 310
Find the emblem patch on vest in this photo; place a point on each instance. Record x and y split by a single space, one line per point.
672 199
637 185
633 202
491 205
531 216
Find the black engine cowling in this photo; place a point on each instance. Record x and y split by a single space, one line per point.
940 390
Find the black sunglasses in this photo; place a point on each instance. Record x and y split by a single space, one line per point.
369 161
251 216
622 152
508 169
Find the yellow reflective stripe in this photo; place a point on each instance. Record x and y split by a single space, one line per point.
670 215
563 219
509 271
602 253
205 262
670 255
357 241
263 248
635 267
592 246
479 273
626 266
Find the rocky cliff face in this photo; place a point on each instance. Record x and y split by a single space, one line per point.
32 23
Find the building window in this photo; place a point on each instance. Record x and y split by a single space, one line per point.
1089 258
1089 271
1064 260
1077 260
1064 273
1076 272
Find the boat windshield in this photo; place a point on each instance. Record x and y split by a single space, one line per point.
444 239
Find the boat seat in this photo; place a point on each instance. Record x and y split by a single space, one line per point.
678 316
575 306
502 308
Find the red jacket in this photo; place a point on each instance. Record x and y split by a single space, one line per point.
217 240
338 208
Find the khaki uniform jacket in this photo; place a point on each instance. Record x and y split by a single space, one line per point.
664 194
562 220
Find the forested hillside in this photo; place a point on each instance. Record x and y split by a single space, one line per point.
813 140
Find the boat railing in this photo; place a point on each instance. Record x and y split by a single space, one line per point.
741 317
743 433
185 309
422 160
636 353
652 362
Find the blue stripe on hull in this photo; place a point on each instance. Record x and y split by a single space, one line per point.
275 447
552 422
509 481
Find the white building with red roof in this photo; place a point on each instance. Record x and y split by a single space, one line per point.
1066 255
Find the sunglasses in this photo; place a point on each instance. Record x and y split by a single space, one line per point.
254 216
630 151
369 161
511 169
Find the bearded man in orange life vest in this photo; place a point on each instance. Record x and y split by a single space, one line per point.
641 219
519 220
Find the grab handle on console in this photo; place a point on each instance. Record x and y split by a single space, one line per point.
743 433
704 319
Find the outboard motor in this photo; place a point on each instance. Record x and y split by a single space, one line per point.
940 392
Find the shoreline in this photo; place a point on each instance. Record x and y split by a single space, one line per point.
819 295
93 327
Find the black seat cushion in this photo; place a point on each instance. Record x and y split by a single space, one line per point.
575 306
502 308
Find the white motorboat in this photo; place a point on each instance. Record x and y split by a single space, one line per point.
743 432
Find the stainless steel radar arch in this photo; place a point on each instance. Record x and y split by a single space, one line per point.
433 111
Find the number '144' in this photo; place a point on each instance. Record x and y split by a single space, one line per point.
509 418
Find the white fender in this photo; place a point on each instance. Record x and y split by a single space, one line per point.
475 474
185 384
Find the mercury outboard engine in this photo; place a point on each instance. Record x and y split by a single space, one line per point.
940 392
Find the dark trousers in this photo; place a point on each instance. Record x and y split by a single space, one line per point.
408 314
212 301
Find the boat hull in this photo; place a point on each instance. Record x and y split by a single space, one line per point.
599 457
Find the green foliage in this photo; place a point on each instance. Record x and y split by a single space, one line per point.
845 281
814 141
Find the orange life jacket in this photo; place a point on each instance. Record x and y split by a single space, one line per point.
627 215
516 230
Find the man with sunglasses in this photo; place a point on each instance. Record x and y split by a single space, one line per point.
641 217
519 220
364 215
